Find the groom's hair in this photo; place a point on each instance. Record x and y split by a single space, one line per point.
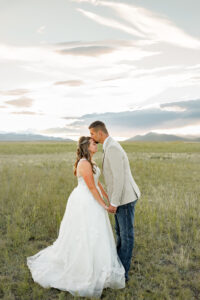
98 125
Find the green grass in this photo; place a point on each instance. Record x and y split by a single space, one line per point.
35 182
49 147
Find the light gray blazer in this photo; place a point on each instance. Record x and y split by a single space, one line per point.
121 186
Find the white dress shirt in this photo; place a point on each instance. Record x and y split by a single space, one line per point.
104 145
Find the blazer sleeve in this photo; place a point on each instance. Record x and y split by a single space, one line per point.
116 162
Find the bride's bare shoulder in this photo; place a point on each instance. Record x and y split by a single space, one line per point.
83 163
85 166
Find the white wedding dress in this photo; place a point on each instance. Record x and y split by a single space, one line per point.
83 259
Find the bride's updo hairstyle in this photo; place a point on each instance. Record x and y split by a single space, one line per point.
83 152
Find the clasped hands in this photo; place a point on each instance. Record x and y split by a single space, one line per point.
111 209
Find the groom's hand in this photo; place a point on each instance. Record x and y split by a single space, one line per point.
112 209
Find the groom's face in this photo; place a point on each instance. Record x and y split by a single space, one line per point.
95 135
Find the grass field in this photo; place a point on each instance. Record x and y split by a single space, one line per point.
35 182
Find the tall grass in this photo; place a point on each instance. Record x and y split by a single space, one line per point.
36 180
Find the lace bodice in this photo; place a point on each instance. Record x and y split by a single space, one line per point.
96 176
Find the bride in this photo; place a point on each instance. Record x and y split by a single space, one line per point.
83 259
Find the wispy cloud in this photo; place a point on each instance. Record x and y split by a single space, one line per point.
25 113
105 42
21 102
17 92
195 67
111 23
70 82
153 25
192 105
87 51
142 23
75 118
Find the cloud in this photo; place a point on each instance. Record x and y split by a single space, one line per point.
111 23
106 52
16 92
25 113
173 108
148 118
70 82
106 43
194 67
114 77
195 79
87 51
71 118
153 25
189 106
143 23
21 102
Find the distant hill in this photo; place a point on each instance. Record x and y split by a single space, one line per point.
12 136
156 137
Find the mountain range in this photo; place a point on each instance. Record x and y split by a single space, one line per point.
156 137
12 136
151 137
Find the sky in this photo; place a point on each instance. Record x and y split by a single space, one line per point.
133 64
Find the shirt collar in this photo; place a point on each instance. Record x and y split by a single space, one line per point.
105 142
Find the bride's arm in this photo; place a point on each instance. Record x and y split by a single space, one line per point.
103 191
85 170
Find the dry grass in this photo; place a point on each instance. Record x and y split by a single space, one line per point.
36 180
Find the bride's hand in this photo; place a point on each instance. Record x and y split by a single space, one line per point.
112 209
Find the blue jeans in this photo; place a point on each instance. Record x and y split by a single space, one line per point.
124 228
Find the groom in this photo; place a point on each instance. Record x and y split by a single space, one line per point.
122 189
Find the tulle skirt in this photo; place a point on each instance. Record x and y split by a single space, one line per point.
83 259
